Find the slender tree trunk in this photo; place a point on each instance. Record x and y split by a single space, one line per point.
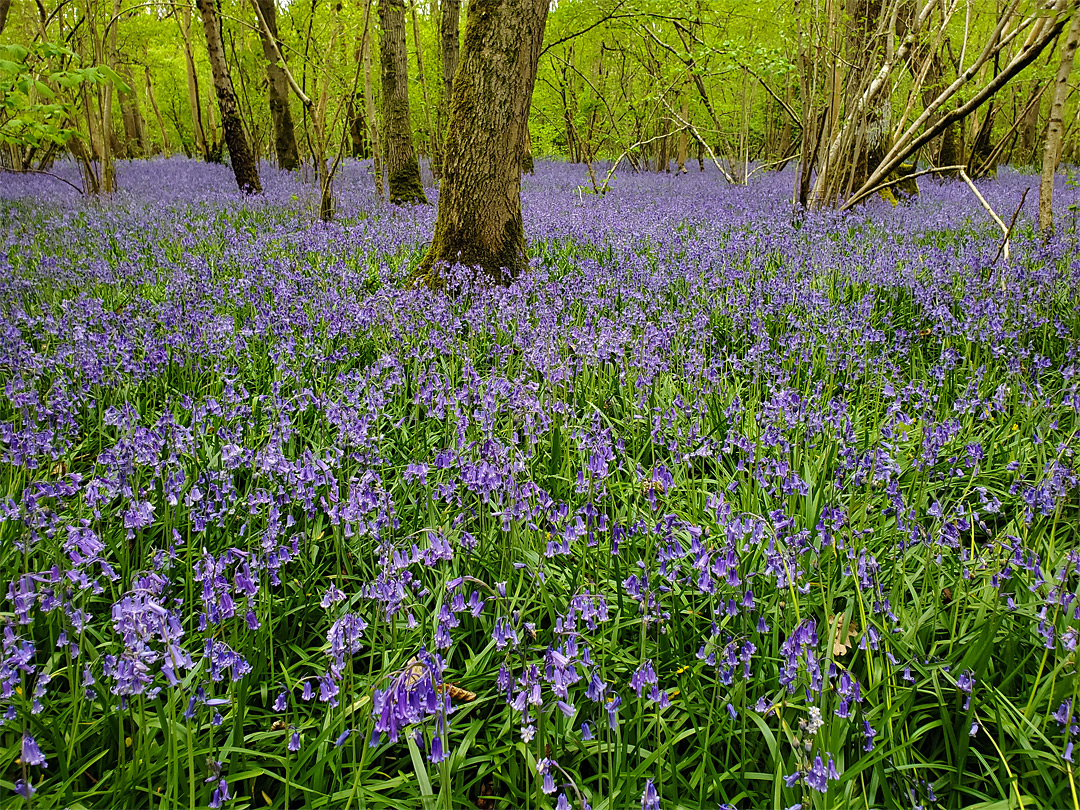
1029 129
684 140
433 138
134 126
369 108
1055 129
402 170
277 89
449 45
354 113
243 162
5 6
198 131
479 222
157 113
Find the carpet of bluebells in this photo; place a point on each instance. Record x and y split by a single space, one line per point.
716 506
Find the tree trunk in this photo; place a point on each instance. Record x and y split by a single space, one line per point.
527 164
369 108
1055 129
198 131
684 140
157 113
449 45
402 170
243 162
434 147
1029 129
5 6
479 222
134 126
277 89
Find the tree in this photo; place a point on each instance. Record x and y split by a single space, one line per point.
277 87
1055 130
243 162
449 46
402 170
479 220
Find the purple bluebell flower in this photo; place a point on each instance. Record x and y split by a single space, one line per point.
650 799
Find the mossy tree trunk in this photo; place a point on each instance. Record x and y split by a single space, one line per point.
243 162
401 167
277 89
479 223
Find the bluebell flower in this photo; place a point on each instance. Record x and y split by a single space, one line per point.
31 754
650 799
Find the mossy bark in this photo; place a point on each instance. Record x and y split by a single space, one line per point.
479 223
277 90
401 166
243 162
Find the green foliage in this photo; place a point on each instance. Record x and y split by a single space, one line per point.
38 88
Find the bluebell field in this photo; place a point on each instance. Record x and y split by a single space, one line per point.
717 506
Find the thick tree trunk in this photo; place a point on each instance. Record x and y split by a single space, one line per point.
243 162
277 89
1055 129
402 170
479 222
5 6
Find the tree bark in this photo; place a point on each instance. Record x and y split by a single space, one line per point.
1055 129
134 126
277 89
5 6
1029 129
157 113
479 222
402 170
434 146
243 162
198 131
528 166
369 107
684 140
449 46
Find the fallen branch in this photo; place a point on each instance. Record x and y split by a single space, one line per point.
1012 224
1005 229
42 171
880 186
